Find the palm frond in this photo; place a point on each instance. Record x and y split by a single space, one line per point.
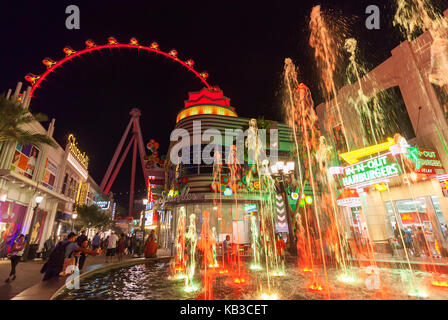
12 119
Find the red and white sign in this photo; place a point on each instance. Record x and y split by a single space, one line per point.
430 162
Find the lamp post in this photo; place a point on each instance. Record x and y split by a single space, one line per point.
74 216
38 200
280 171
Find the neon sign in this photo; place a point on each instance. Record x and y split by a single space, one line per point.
430 162
370 170
81 157
353 157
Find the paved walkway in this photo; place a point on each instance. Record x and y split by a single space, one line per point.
28 273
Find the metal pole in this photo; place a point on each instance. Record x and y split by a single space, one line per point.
292 244
117 169
131 193
33 221
115 157
143 230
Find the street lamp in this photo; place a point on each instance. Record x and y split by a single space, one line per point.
38 200
280 170
74 216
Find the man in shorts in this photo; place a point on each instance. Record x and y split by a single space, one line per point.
111 246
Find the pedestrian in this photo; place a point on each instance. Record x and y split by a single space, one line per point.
96 241
408 241
83 256
129 245
16 254
420 237
111 246
121 246
48 246
134 244
280 246
151 246
226 249
80 240
62 256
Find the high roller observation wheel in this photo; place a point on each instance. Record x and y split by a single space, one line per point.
70 54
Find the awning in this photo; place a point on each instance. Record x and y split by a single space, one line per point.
63 216
349 198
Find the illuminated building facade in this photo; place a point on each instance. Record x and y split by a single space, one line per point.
59 175
394 193
192 188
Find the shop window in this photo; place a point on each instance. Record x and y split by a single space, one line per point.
64 186
438 210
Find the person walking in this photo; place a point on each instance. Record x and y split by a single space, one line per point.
62 256
96 241
121 246
408 241
111 246
16 254
48 246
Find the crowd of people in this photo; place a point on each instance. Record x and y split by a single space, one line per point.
416 242
63 257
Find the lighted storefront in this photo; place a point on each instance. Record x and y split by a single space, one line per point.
394 184
12 217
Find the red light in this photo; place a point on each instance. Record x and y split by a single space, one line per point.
315 287
239 280
113 43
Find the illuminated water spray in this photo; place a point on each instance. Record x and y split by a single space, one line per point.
180 259
191 238
326 54
255 244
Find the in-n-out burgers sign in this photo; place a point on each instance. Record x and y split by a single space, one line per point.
370 171
430 162
183 196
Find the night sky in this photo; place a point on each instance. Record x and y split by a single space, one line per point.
241 44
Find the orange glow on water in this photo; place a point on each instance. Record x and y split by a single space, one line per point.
239 280
307 269
437 283
315 287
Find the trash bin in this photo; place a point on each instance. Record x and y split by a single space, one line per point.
32 251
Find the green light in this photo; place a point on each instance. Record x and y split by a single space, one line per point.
191 288
418 294
255 267
372 169
347 278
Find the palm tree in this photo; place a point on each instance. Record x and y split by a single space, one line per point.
13 117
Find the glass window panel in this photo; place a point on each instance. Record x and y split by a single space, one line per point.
437 209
